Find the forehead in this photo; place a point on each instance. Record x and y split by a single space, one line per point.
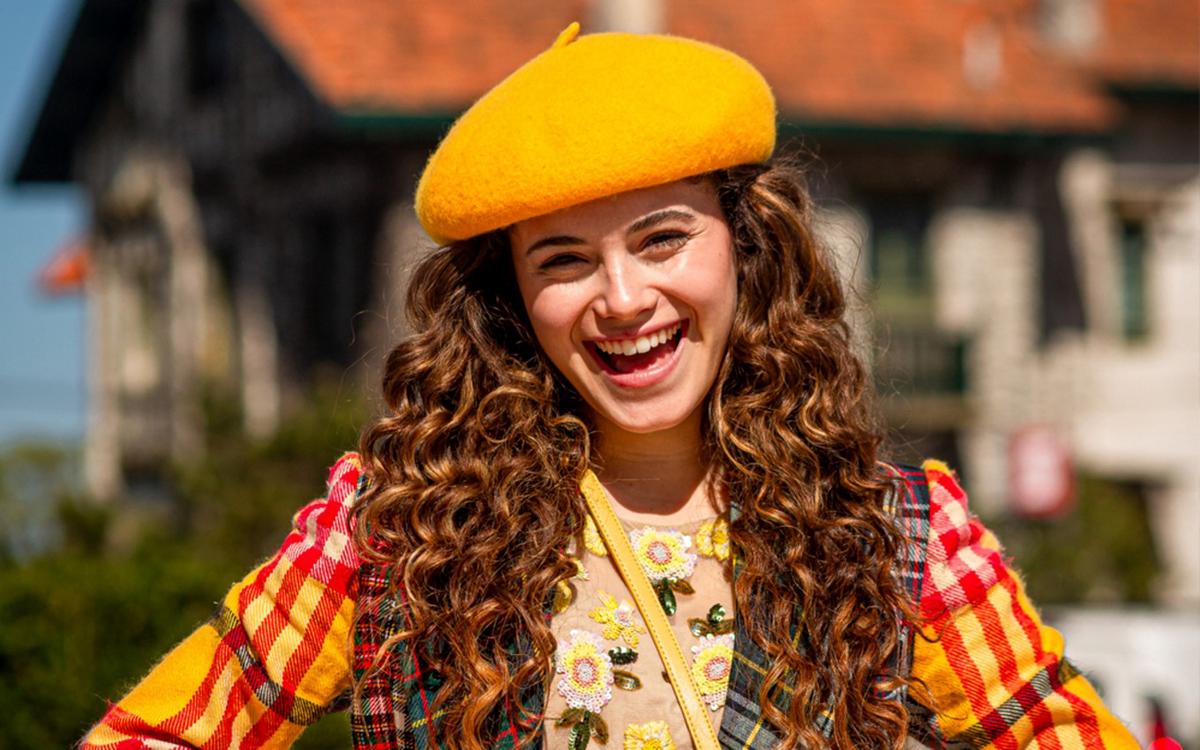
614 213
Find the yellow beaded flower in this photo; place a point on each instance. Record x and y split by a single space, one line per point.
587 672
663 554
653 735
711 667
712 539
617 619
564 594
592 540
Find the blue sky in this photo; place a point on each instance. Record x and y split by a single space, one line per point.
41 338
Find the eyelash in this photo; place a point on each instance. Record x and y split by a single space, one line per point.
672 239
558 260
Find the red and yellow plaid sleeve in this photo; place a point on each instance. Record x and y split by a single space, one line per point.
271 660
995 673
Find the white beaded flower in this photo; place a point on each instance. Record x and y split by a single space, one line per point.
663 554
587 672
711 665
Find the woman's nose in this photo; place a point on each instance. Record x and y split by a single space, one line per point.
626 292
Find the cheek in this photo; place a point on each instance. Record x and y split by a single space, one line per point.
716 292
547 315
553 321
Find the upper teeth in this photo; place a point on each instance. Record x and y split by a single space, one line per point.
639 345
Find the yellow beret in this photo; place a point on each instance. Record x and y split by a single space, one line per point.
594 117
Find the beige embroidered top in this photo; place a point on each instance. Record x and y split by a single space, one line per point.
609 678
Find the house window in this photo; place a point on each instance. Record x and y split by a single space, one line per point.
914 357
1133 279
899 264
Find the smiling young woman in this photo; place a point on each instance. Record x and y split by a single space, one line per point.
600 279
628 321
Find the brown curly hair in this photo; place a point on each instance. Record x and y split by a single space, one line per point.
475 470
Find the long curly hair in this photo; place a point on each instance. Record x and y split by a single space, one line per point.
473 501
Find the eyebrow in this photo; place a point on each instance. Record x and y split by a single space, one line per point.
642 224
553 241
658 217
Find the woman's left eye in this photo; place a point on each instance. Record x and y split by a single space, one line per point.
671 239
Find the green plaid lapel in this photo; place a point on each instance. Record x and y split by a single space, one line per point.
395 706
743 726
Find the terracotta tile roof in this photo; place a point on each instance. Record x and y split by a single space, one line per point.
1150 42
957 63
975 65
410 55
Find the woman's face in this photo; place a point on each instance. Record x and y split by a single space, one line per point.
632 298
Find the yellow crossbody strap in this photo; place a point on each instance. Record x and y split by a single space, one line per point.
703 736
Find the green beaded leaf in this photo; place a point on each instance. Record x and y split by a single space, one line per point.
699 628
681 586
626 680
666 597
715 614
723 627
622 655
570 717
599 729
580 734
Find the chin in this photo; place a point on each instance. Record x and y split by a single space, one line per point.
646 421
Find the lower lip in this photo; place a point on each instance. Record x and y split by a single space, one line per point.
651 375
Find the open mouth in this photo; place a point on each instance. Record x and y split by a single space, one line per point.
624 356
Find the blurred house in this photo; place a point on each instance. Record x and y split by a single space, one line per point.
1014 186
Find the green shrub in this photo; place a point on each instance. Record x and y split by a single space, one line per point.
83 614
1101 552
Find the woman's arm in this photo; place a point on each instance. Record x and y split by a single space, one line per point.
995 673
273 657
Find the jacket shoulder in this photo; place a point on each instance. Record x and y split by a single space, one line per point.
963 558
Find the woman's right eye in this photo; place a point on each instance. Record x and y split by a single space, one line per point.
562 260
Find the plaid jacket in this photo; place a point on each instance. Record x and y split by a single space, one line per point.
275 657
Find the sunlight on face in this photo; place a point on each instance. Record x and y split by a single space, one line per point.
632 298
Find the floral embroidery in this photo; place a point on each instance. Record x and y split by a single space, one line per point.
653 735
587 672
617 619
664 555
591 538
712 539
715 623
711 666
622 655
564 594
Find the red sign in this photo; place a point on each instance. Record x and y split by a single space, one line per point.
1041 473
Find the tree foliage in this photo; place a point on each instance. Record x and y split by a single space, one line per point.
1101 552
92 595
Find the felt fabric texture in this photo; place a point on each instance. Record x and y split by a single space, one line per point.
995 673
272 660
593 117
